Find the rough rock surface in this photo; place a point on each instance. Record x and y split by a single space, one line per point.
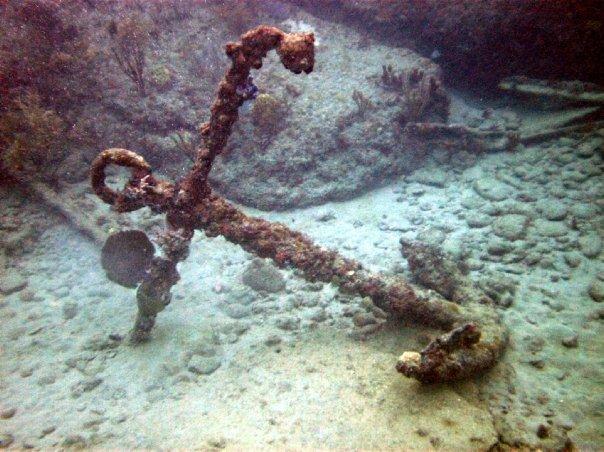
329 148
263 276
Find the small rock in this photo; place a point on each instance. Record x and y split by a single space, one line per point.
263 276
552 209
548 228
47 379
100 342
537 363
434 177
498 247
237 328
543 431
532 259
74 441
492 190
361 319
596 291
27 296
325 216
583 211
431 236
288 323
6 439
273 339
47 430
573 259
86 385
12 282
237 311
217 443
203 365
474 264
478 220
511 226
361 333
590 245
571 341
70 310
588 148
27 372
7 413
319 315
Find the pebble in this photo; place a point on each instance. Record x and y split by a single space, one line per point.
499 247
319 315
532 259
478 220
492 190
47 379
590 245
273 339
70 310
474 264
543 431
237 311
552 209
361 319
7 413
100 342
86 385
74 441
573 259
260 275
288 323
12 282
583 211
27 296
596 291
548 228
434 177
431 236
571 341
511 226
47 430
325 216
203 365
242 296
6 439
588 148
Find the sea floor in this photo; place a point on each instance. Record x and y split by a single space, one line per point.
232 367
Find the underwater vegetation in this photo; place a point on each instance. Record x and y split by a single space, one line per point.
40 53
419 94
33 139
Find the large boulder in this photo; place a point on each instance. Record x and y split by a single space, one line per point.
335 133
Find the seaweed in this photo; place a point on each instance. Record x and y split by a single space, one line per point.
32 139
130 38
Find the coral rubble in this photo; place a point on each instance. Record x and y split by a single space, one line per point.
476 338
